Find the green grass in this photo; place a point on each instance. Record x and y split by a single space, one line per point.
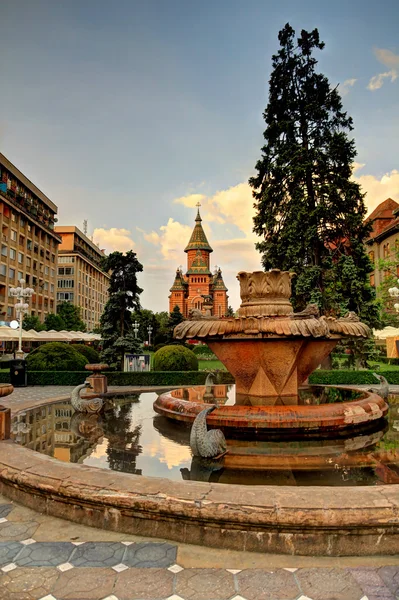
210 365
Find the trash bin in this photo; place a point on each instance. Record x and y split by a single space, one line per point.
18 372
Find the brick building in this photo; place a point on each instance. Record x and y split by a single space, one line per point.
29 244
384 238
189 291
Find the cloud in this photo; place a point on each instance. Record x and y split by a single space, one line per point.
378 189
172 238
114 239
348 83
377 81
232 206
388 59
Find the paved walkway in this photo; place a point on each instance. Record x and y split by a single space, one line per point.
45 558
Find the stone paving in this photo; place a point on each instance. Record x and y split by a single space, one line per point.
44 558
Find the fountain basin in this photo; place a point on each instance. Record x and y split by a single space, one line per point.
276 415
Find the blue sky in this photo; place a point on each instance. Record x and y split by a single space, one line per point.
127 113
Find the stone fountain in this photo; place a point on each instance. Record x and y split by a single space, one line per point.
270 351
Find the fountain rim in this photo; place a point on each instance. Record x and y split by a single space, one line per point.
280 519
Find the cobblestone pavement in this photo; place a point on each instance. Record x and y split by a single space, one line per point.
44 558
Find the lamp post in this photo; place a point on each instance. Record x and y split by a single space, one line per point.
21 293
136 326
149 334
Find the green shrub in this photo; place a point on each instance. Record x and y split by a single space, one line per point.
203 351
158 347
349 377
175 358
90 353
146 378
55 356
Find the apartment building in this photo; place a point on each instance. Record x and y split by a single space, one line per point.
80 279
29 244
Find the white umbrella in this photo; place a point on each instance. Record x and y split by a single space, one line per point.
52 336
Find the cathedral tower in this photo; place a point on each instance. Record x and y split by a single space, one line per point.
199 285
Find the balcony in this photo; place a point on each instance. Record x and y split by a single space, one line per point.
33 213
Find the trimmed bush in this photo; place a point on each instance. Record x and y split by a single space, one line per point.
349 377
146 378
90 353
55 356
175 358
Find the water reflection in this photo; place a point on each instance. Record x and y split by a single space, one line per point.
130 437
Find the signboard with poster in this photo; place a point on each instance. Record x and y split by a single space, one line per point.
137 362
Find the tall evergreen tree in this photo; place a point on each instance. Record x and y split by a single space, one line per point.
309 212
175 318
116 320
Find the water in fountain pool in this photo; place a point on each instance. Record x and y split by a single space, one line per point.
131 438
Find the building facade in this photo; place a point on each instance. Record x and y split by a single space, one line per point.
383 242
29 244
80 279
199 289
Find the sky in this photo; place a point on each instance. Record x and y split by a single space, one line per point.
128 113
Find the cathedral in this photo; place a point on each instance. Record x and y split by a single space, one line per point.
199 289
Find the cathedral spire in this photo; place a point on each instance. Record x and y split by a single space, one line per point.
198 239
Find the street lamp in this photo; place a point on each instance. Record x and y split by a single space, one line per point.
149 334
136 326
21 293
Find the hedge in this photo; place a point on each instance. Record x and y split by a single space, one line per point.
349 377
146 378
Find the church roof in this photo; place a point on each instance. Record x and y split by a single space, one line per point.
179 282
199 265
198 239
218 283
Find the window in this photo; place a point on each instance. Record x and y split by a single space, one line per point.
66 270
66 283
13 235
52 287
20 257
68 296
13 217
66 259
29 245
28 261
46 270
3 269
20 275
22 222
29 227
4 250
11 274
45 286
21 240
13 254
36 249
53 258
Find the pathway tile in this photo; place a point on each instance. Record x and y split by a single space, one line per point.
17 531
390 576
147 554
8 551
98 554
5 510
45 554
257 584
143 584
372 583
323 584
85 584
205 584
27 584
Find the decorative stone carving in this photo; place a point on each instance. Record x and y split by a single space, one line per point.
204 443
89 405
265 293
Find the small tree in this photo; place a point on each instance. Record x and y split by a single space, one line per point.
32 322
116 320
54 322
175 318
71 315
230 312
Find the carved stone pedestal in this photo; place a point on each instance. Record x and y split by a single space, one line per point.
98 381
